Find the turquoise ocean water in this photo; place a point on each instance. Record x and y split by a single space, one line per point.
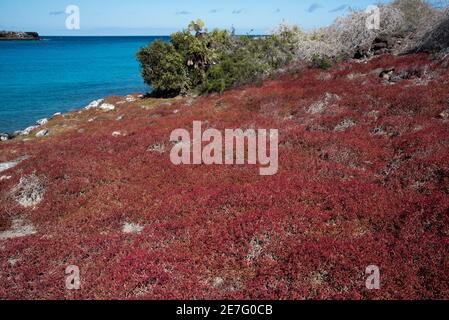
59 74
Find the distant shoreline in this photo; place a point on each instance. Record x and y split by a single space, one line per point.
15 39
18 36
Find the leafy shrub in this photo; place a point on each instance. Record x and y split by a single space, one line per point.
435 36
321 62
163 68
202 61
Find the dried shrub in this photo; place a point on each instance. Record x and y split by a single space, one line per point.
434 35
29 192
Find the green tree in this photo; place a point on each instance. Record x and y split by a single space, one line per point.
163 69
195 59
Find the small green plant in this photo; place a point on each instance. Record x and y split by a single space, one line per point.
321 62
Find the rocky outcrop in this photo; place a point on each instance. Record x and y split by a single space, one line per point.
381 45
10 35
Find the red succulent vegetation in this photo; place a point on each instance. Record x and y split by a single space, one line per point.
363 180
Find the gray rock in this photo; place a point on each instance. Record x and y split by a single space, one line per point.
94 104
107 107
28 130
42 133
4 136
17 133
19 228
42 122
130 98
380 45
445 114
118 134
387 74
7 165
11 164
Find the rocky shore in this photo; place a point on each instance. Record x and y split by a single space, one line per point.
11 35
39 128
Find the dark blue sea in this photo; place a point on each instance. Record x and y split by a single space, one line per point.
59 74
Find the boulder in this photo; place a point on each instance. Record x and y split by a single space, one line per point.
130 98
445 114
8 165
42 122
362 52
42 133
107 107
94 104
28 130
4 136
387 74
11 164
380 45
118 134
383 41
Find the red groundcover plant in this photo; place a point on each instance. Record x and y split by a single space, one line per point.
363 180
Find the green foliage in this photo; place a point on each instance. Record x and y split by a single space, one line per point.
202 61
163 69
321 61
196 26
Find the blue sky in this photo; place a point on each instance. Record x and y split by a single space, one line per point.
161 17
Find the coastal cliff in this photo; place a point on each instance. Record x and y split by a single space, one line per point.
11 35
